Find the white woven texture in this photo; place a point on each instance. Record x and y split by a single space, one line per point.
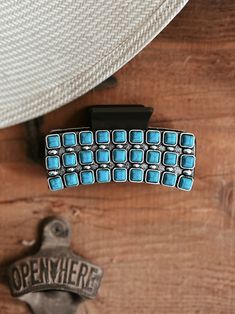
53 51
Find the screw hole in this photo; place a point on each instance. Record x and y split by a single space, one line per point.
59 230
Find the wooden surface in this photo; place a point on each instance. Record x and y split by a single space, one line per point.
163 251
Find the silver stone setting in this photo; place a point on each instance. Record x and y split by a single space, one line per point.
156 167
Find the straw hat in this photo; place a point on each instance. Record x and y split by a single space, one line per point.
53 51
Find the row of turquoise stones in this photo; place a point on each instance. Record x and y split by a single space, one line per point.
135 175
102 156
101 137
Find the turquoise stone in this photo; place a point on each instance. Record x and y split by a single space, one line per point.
169 179
153 176
102 137
55 183
53 163
102 156
153 157
53 141
87 177
86 157
119 155
136 155
185 183
119 136
187 140
69 139
71 179
187 161
136 175
170 159
170 138
153 137
103 175
86 138
136 136
120 174
69 160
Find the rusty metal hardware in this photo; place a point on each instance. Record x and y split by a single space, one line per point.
54 280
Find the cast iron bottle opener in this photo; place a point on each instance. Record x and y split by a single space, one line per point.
54 280
119 146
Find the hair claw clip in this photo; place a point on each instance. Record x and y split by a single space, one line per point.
120 147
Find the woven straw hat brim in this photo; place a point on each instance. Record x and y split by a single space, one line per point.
52 52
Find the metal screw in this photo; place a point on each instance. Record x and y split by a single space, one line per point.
58 230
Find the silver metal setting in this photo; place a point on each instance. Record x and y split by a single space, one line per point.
53 173
96 155
131 150
164 136
146 138
117 143
117 180
96 132
71 169
93 177
133 181
97 179
187 172
54 177
69 149
103 165
187 151
179 182
177 158
47 141
83 163
162 177
128 147
63 135
79 137
187 155
120 165
64 176
185 133
52 152
148 182
72 153
55 168
134 131
155 150
86 147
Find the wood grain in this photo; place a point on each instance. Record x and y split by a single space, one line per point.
163 251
